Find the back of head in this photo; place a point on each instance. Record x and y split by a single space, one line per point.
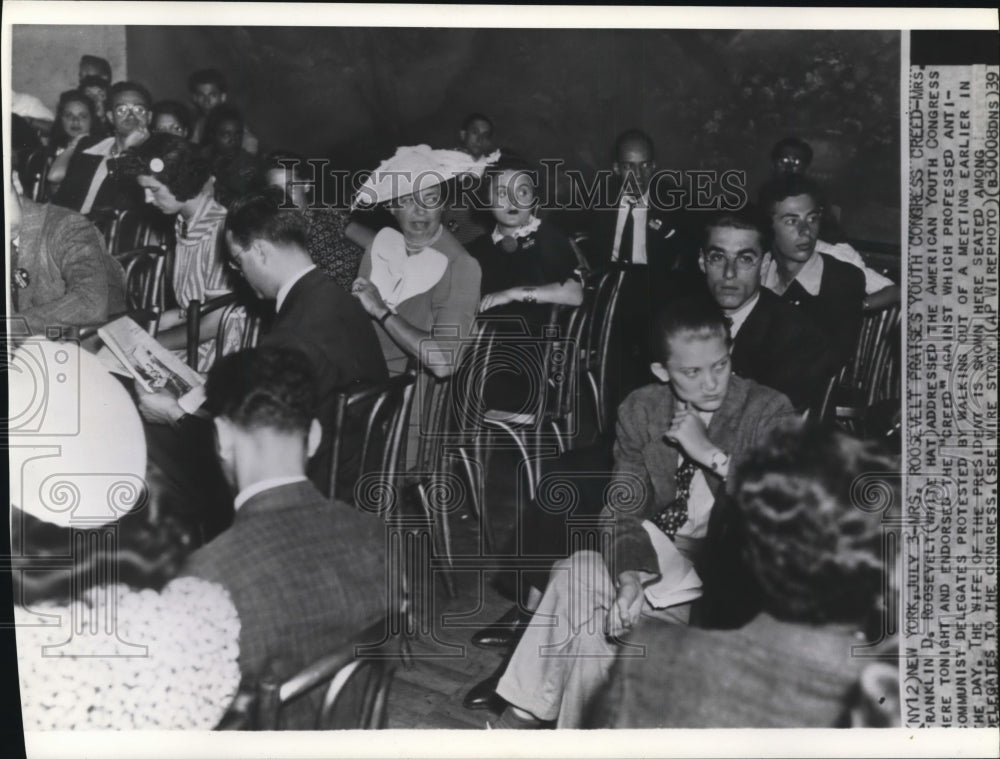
264 388
813 504
173 161
265 216
783 186
207 76
750 217
697 315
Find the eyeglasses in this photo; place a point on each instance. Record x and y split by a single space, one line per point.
123 109
743 262
636 166
233 262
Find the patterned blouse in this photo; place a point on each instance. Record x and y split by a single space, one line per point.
200 270
172 662
331 251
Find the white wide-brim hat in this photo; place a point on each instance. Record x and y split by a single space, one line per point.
415 168
77 450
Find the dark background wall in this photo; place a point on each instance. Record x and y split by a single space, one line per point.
711 99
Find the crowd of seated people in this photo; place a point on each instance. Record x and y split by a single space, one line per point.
730 326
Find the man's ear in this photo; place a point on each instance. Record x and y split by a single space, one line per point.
223 437
314 437
222 97
659 371
616 168
701 261
461 136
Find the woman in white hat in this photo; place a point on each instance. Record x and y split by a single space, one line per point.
418 283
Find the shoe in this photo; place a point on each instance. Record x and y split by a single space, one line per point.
483 694
503 633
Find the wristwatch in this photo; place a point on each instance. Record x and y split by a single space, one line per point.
719 462
528 295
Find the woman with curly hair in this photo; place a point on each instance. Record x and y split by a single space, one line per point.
76 118
815 507
178 182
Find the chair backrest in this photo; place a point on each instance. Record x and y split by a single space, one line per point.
35 171
356 680
143 277
598 341
133 229
378 413
864 375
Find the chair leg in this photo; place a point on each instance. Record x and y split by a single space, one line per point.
477 493
445 532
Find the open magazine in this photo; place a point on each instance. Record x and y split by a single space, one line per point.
133 352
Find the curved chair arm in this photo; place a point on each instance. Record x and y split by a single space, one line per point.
195 311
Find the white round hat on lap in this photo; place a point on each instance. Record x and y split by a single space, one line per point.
77 450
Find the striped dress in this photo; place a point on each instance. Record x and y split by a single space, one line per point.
200 271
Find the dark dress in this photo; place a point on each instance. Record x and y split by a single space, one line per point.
541 257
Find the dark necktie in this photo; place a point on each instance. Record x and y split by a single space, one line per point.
675 513
625 246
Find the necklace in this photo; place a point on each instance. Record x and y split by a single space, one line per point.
417 248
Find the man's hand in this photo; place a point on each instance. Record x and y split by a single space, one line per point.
135 138
627 608
160 407
370 297
688 431
493 300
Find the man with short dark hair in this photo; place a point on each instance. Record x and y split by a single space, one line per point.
313 314
306 575
676 443
654 246
92 182
208 88
827 290
773 343
94 65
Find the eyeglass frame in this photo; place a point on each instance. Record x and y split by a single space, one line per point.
124 109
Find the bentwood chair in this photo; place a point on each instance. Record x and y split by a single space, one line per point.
869 383
233 312
596 356
353 681
144 285
368 451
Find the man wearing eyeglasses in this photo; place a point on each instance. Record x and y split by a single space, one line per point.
773 344
92 183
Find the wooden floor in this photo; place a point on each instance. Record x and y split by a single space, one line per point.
445 663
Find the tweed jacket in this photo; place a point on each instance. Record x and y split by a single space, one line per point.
645 466
71 278
305 574
782 348
769 673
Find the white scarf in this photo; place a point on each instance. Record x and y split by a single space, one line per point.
398 276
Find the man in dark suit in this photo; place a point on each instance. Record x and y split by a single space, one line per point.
827 290
773 343
313 314
92 181
306 575
676 444
637 231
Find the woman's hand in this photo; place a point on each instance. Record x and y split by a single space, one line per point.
501 298
370 297
135 138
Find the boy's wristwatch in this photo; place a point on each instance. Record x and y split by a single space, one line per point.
719 461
